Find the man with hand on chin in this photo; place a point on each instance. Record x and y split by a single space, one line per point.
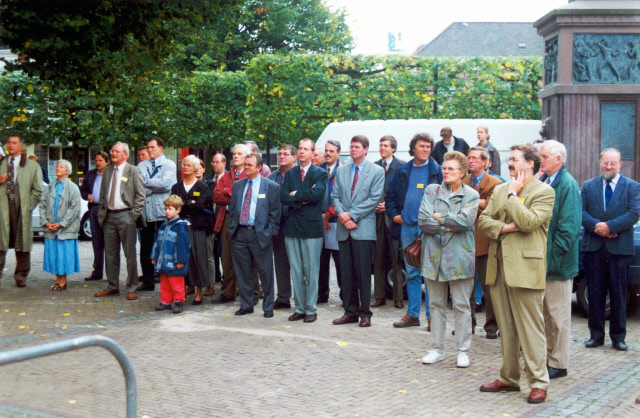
516 221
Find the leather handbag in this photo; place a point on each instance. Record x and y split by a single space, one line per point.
413 253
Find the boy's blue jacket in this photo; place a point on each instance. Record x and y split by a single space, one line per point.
172 246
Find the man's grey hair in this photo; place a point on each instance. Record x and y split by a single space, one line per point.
253 146
617 151
125 147
243 148
221 156
556 149
335 144
66 164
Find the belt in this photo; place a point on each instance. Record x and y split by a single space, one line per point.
118 210
247 226
92 204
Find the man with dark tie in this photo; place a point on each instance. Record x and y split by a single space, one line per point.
303 191
213 241
386 246
610 208
329 223
484 183
254 215
20 191
287 155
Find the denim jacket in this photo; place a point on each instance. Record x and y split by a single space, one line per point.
172 246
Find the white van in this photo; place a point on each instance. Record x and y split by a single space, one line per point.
503 134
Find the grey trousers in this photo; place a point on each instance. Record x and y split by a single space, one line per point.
120 230
304 257
460 293
247 251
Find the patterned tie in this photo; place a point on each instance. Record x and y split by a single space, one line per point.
302 174
11 184
384 165
153 165
608 192
112 195
355 180
548 180
246 206
237 173
474 182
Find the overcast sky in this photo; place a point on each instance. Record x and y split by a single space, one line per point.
420 21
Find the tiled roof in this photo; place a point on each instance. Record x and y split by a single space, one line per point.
485 39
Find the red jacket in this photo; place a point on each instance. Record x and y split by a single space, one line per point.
222 195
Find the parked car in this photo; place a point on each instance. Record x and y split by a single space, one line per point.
85 227
581 288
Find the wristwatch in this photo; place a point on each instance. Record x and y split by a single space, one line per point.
512 194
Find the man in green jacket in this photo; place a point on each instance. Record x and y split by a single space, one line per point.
562 255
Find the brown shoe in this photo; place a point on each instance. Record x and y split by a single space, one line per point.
297 316
208 291
21 283
498 386
428 327
345 319
379 302
407 321
189 290
537 395
365 322
107 292
398 304
132 296
492 335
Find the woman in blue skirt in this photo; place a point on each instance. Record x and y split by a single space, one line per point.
60 218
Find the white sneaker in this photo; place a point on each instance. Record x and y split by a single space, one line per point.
434 356
463 359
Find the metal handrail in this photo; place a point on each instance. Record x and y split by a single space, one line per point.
47 349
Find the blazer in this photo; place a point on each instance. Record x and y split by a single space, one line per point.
305 207
268 209
131 192
623 212
391 170
87 184
361 205
524 252
485 189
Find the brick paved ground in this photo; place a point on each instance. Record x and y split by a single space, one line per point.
208 362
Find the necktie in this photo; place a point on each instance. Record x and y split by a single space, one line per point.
355 180
112 195
237 174
548 180
384 165
474 182
302 174
246 206
328 174
153 165
608 192
11 184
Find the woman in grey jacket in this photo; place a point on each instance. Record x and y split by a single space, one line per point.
60 218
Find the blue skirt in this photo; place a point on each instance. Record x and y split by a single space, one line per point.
61 256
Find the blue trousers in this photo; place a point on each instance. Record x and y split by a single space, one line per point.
414 280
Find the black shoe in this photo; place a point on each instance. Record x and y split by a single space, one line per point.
197 302
594 343
310 318
163 307
255 301
619 345
282 305
92 278
244 311
556 373
222 299
268 314
146 287
177 307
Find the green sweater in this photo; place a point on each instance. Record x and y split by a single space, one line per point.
564 228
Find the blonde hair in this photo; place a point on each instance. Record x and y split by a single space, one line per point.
174 201
460 158
195 161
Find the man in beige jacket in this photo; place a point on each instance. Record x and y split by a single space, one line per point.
516 221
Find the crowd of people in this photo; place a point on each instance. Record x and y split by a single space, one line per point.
252 229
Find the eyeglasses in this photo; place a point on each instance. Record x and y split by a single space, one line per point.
609 165
115 151
513 160
449 169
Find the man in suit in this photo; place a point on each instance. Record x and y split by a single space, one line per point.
484 183
20 191
516 221
610 208
254 214
329 223
218 164
386 247
287 155
562 255
122 199
303 191
356 193
448 143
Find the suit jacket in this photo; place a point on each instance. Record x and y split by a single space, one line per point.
381 218
305 207
623 212
131 192
87 184
327 207
524 252
485 189
361 205
268 209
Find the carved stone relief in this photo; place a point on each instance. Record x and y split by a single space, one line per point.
606 58
551 61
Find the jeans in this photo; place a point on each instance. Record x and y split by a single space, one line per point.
414 280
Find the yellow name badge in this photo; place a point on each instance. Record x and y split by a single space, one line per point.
196 193
125 179
262 196
522 199
420 186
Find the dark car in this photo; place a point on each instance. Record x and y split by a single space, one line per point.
580 282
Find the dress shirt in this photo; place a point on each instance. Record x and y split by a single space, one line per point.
305 169
478 179
613 183
117 199
255 190
553 177
331 168
388 161
96 188
353 170
16 163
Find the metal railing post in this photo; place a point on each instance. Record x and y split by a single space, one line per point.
47 349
